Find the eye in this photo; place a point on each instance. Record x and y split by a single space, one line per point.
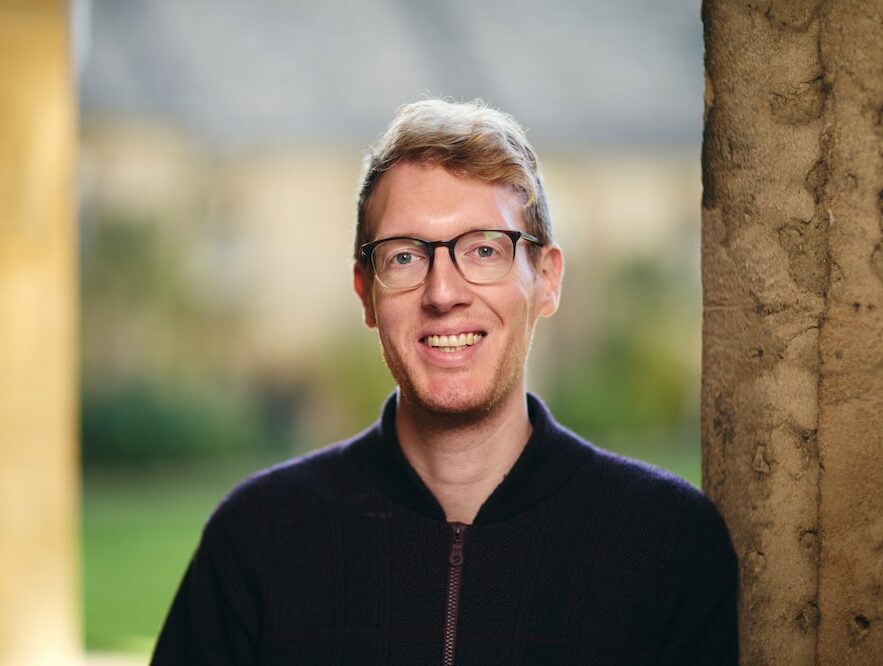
484 253
402 258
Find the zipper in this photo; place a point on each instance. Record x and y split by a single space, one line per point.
452 603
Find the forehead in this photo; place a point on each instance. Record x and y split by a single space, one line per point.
431 202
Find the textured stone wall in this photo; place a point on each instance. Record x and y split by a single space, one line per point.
792 265
38 294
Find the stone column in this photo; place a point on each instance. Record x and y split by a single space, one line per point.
39 498
792 267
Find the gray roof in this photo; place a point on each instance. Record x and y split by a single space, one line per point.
578 74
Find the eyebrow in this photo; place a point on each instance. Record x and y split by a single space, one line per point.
426 240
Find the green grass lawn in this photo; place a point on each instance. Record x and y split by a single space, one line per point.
140 528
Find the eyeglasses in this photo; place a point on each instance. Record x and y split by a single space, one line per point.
482 256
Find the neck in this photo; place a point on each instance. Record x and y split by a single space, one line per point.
462 461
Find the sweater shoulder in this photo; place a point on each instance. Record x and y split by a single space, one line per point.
642 493
646 483
657 517
321 477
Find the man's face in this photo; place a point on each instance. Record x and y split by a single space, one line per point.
431 203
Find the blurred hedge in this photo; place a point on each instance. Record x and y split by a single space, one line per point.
143 422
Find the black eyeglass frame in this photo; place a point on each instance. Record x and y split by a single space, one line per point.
366 250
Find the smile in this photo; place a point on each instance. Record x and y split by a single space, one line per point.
453 343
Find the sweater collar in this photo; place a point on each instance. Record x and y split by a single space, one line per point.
551 456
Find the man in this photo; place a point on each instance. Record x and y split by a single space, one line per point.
466 526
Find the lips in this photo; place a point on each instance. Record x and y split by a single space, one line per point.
453 342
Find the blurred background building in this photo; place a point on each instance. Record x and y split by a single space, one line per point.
220 149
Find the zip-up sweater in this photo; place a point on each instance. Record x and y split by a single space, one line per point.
344 556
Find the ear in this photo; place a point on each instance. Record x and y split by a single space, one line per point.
362 283
550 271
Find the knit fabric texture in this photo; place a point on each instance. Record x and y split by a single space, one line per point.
579 556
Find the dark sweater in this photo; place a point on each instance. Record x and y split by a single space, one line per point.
342 557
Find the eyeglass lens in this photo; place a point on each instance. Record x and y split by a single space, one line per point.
481 256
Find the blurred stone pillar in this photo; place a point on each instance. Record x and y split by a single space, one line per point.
39 486
792 268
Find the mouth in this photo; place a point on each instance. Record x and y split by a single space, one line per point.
454 342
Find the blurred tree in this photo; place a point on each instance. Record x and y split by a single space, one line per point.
140 422
636 376
151 388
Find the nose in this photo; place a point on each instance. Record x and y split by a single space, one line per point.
445 288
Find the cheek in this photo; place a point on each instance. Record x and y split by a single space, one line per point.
391 319
523 298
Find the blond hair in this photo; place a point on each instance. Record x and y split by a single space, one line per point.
467 138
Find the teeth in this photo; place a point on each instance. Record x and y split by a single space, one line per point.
453 343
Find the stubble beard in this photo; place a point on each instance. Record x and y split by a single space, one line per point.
454 406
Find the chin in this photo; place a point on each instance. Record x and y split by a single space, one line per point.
451 401
451 396
454 399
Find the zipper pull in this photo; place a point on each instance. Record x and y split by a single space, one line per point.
458 535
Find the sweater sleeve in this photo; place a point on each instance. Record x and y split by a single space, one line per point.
214 618
704 583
